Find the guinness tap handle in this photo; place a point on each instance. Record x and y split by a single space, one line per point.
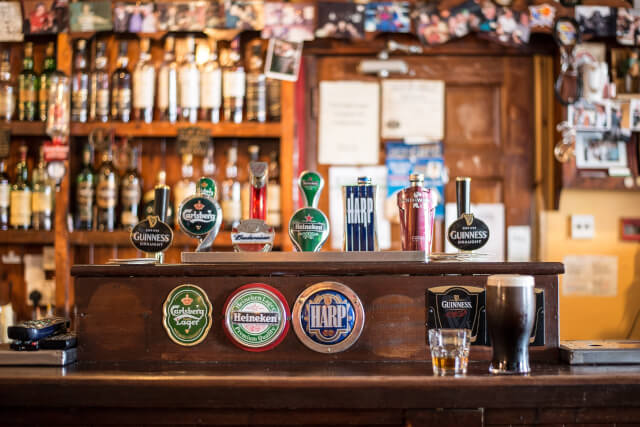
161 202
463 195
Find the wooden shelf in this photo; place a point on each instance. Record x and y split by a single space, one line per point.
168 130
19 128
26 237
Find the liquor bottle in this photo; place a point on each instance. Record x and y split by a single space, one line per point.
106 193
41 196
416 206
211 86
273 193
49 68
144 81
186 186
121 87
209 165
80 84
20 200
130 193
233 83
27 86
7 90
231 203
168 83
99 104
85 182
254 154
5 191
189 84
256 84
274 90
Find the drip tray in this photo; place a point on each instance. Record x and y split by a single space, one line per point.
600 352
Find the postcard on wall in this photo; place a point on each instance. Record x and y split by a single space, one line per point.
413 109
599 21
348 126
340 20
542 15
288 21
90 16
181 16
134 18
595 150
387 17
11 21
584 115
590 275
45 16
283 60
493 215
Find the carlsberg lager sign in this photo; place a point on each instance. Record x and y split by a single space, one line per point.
186 315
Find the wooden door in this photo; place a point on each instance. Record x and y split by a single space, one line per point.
488 126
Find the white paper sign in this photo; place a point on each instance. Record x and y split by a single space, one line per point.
413 110
593 275
339 176
519 243
348 128
491 214
11 21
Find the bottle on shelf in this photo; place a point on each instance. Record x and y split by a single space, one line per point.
20 199
27 87
186 186
130 193
49 67
167 102
121 87
7 90
144 83
256 83
211 86
209 165
41 196
85 183
106 192
189 83
273 194
233 83
274 90
80 84
231 202
99 103
5 191
254 155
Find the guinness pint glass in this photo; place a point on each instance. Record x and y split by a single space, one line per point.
510 302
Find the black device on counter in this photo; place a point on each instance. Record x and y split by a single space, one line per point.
59 342
35 330
24 345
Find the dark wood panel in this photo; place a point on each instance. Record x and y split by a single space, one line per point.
26 237
159 129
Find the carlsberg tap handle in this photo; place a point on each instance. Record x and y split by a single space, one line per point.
207 186
161 201
311 184
463 195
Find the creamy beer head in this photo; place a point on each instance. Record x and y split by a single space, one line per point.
510 280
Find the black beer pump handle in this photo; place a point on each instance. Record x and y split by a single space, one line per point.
463 195
161 202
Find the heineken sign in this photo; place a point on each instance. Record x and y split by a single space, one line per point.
151 235
311 184
308 229
198 215
468 233
186 315
256 317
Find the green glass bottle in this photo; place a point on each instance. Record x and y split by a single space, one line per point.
27 87
20 204
107 192
45 81
85 189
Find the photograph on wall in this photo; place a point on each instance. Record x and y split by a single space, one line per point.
340 20
634 114
542 15
459 19
387 17
134 18
244 15
512 28
599 21
483 18
628 26
214 15
181 16
90 16
283 59
11 21
431 27
597 150
288 21
45 16
589 116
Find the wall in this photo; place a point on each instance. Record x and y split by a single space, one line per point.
589 317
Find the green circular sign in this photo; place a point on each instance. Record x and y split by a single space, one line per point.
198 215
308 229
186 315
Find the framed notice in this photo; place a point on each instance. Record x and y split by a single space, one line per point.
349 123
413 110
11 21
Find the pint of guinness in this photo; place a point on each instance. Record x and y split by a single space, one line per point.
511 304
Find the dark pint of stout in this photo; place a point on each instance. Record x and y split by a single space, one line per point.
510 302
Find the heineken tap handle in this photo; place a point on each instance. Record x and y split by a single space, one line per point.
161 201
311 184
258 175
463 195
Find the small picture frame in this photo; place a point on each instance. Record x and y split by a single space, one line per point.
45 16
630 229
88 16
387 17
340 20
283 59
590 116
135 18
598 21
181 16
244 14
288 21
595 151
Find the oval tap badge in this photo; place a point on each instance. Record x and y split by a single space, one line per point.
256 317
186 315
328 317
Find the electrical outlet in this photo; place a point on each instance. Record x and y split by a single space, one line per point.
582 226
